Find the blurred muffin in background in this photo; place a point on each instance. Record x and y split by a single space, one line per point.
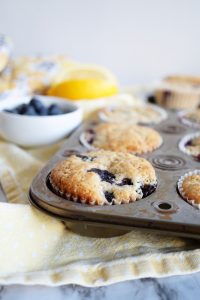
133 114
29 75
37 73
179 92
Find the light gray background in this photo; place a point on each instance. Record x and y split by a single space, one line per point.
140 40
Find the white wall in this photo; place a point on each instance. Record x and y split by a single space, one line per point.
139 40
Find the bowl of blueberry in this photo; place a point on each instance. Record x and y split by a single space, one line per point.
39 120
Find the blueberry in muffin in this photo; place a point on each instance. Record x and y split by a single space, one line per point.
103 178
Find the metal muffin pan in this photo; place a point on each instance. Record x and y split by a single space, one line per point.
163 211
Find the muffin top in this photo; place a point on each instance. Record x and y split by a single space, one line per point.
122 137
103 177
144 114
191 188
186 83
184 80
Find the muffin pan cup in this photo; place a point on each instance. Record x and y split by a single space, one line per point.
162 114
181 191
187 121
164 211
185 140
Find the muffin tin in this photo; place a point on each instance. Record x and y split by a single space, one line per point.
164 211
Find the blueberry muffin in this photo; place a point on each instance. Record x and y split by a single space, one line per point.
143 114
191 145
179 92
191 118
189 187
103 178
121 137
37 73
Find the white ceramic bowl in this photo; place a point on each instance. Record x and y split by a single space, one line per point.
32 131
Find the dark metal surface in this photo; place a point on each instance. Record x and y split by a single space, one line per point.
164 210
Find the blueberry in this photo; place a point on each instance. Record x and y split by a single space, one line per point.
189 143
54 110
151 99
109 196
21 109
148 189
167 94
9 110
30 111
125 181
12 111
43 111
15 110
90 130
37 104
104 175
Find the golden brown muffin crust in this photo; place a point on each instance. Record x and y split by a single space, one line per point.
191 187
143 114
103 177
193 81
126 138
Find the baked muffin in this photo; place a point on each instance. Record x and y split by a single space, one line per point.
179 92
123 137
191 145
103 177
191 118
38 72
189 187
143 114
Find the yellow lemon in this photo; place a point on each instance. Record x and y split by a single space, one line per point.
85 82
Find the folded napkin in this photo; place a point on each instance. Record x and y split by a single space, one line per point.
38 249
